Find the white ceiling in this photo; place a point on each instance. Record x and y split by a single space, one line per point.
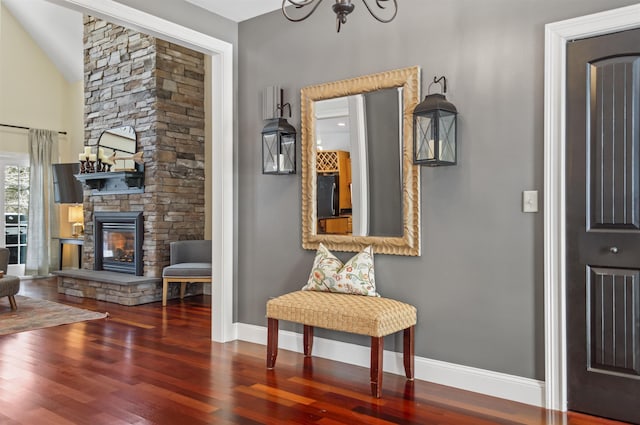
58 30
238 10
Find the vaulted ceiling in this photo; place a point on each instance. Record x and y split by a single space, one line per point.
58 30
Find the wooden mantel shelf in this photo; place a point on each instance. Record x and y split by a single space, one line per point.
113 182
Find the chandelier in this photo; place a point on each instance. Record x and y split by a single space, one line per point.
342 8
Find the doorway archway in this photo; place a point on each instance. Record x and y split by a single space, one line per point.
220 55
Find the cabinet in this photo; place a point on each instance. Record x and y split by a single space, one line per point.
335 225
337 163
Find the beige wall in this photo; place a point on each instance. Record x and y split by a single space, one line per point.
33 93
74 122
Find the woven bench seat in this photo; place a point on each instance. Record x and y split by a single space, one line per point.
372 316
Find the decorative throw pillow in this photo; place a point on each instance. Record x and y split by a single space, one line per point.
330 275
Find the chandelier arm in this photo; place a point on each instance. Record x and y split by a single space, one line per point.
300 4
379 4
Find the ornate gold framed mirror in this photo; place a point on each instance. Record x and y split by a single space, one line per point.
359 184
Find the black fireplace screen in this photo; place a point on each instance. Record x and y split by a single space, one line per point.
118 242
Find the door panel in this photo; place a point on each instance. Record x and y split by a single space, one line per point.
603 226
613 115
613 321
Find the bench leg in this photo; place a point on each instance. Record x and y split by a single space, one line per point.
272 342
377 348
12 301
408 352
308 340
183 288
165 288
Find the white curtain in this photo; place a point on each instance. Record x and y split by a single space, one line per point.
43 216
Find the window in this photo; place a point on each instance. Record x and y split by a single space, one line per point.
16 211
14 206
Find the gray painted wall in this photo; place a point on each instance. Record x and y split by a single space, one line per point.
385 196
478 285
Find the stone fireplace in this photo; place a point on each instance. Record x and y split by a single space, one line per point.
118 242
156 87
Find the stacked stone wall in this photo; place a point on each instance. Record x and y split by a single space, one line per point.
132 79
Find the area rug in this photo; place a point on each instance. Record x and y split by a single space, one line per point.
36 314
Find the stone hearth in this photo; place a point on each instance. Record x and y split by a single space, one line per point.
117 287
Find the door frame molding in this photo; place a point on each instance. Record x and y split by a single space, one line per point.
221 109
557 35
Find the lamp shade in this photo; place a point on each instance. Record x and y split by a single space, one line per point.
278 147
76 215
435 128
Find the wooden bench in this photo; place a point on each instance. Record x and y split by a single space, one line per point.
372 316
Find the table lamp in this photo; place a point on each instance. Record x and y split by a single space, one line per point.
76 216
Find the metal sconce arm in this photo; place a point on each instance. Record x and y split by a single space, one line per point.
443 84
280 106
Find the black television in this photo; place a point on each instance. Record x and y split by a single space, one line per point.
66 188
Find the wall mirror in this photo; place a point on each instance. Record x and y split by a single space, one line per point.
359 184
121 141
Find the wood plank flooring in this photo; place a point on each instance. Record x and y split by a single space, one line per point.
149 365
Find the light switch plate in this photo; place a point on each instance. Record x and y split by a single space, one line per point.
530 201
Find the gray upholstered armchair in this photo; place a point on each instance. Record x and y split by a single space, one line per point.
190 262
9 285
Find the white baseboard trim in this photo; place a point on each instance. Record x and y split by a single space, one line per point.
496 384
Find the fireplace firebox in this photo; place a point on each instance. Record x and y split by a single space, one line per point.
118 242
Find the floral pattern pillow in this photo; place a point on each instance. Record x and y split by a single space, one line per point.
330 275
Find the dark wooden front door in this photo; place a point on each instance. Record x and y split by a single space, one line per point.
603 225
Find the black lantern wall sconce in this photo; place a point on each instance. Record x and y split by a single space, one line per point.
279 144
435 129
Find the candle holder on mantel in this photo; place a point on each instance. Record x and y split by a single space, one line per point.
87 161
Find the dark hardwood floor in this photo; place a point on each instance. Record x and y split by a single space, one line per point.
149 365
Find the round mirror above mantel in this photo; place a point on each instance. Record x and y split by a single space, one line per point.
125 171
359 184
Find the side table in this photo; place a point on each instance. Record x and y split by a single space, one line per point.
72 241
